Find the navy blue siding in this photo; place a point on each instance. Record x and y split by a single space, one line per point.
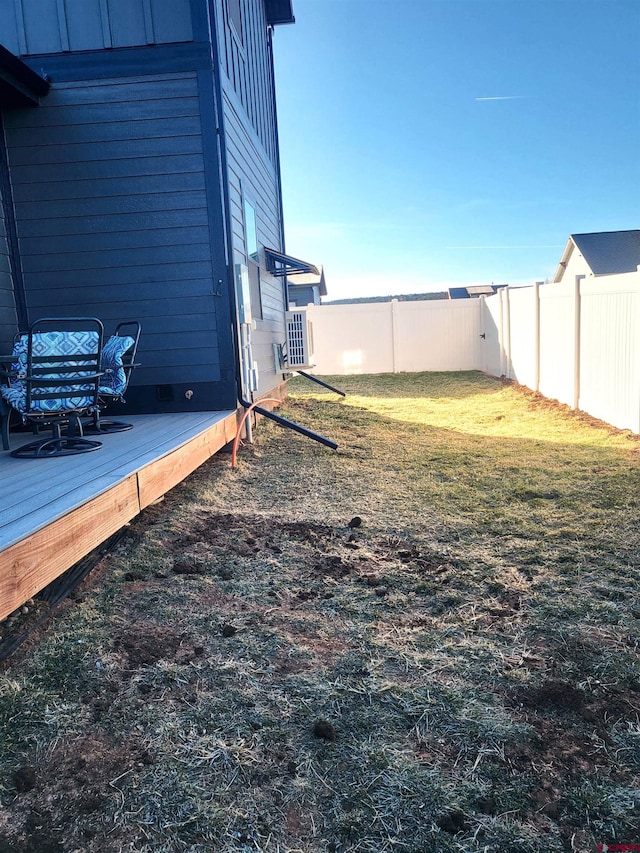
252 168
49 26
116 180
121 230
250 173
247 68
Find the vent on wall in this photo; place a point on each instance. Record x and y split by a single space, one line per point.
299 340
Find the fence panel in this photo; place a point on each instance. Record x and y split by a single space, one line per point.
437 335
557 342
390 337
493 330
522 358
576 342
352 338
610 350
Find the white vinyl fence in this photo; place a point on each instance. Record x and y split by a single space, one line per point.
577 343
396 337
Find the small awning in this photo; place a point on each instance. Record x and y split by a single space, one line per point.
19 85
309 279
280 265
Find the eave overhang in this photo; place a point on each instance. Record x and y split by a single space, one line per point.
19 85
279 12
564 260
281 265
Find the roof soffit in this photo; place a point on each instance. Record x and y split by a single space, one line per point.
564 260
20 86
279 12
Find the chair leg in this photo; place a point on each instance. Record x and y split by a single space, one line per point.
96 426
5 417
74 427
111 426
57 445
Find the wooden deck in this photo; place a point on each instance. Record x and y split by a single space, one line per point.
55 511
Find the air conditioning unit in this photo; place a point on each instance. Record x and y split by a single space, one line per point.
299 340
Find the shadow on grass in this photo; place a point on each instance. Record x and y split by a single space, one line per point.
444 384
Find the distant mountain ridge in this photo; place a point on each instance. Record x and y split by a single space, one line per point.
401 297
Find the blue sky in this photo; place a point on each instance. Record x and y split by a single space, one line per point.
427 143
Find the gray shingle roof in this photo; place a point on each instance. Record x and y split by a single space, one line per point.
610 252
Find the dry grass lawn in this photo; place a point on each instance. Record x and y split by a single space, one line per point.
252 669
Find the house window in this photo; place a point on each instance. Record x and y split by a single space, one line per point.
253 258
235 17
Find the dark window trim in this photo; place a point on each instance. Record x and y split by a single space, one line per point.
236 31
253 260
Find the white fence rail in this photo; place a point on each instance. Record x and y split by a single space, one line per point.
578 343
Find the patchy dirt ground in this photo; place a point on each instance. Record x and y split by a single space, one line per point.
238 677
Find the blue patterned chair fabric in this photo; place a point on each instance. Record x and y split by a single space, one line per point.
52 345
114 381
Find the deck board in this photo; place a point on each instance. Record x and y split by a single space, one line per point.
37 492
55 511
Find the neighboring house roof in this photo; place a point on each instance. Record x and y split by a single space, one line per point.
307 279
474 291
605 252
19 85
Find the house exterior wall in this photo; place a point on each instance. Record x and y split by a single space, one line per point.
112 217
128 205
252 164
49 26
304 295
245 63
576 265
